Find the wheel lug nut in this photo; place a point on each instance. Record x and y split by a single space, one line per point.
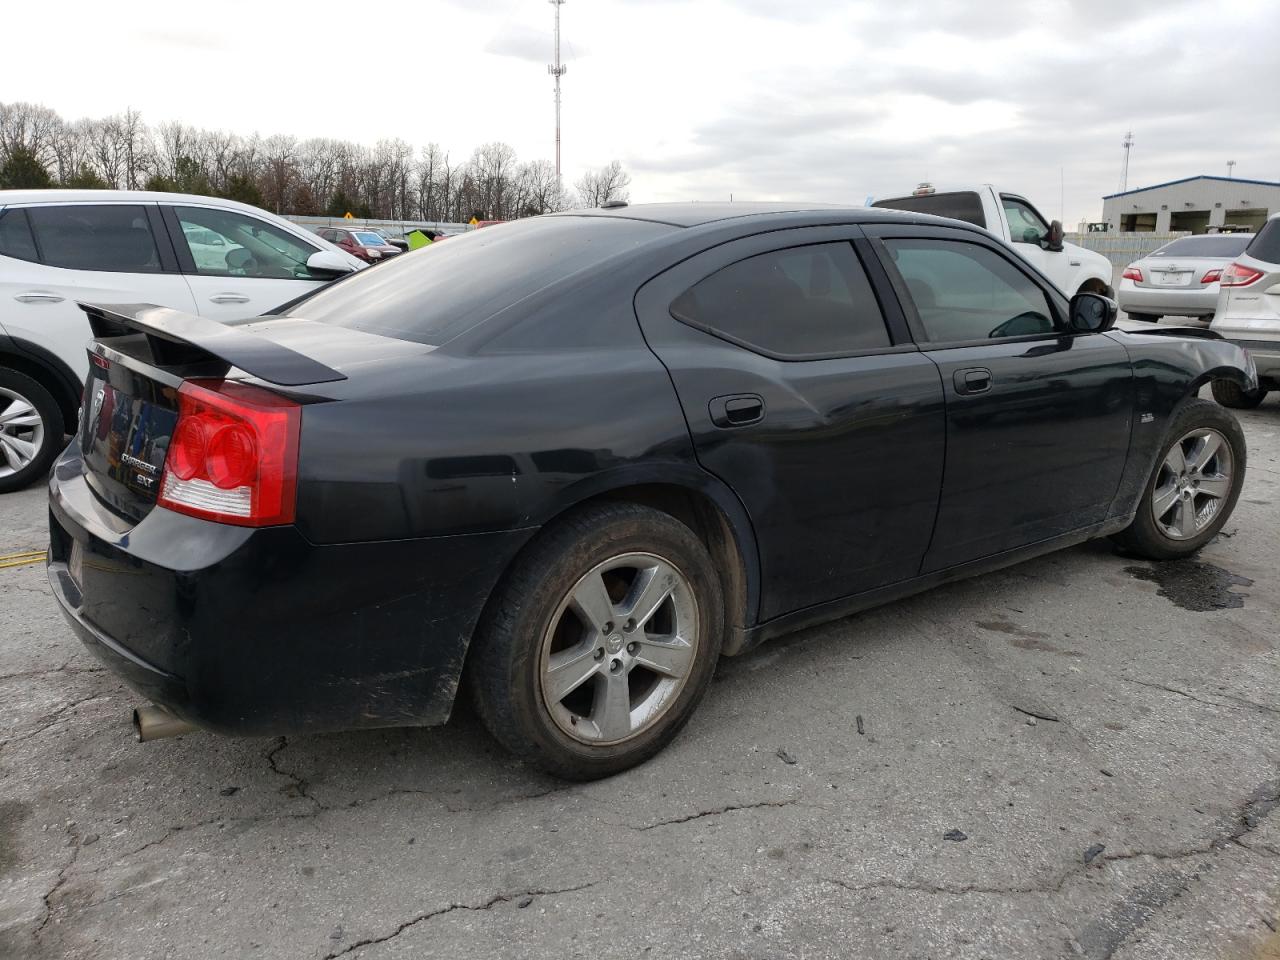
629 626
608 626
615 666
600 653
632 647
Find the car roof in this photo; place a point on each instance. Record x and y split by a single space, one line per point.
8 197
697 214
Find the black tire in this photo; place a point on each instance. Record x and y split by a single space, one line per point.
504 667
1145 317
53 429
1143 537
1231 395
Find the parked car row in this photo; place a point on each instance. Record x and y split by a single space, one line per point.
1230 279
205 256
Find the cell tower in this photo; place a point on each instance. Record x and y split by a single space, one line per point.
1124 170
557 70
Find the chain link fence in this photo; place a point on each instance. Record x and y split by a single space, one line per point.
1123 248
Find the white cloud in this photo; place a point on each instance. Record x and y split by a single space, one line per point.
824 100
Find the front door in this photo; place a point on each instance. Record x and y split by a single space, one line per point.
239 266
1038 418
821 416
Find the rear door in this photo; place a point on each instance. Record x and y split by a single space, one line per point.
1038 419
52 255
239 265
810 402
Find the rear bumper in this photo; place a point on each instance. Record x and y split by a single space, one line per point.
262 632
1200 301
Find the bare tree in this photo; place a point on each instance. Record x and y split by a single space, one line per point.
598 187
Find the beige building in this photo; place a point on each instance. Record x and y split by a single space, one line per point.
1195 204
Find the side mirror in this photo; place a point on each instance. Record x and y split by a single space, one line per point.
1053 241
1093 313
327 263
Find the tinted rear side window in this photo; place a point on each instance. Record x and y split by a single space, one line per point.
1225 246
433 294
964 205
15 236
111 237
796 303
1266 245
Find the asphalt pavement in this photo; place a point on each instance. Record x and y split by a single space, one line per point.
1075 757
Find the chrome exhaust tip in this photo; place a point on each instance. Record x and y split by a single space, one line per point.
155 723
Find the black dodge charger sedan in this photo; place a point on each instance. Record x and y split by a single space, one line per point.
570 463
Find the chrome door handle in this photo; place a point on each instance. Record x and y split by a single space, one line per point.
229 298
39 298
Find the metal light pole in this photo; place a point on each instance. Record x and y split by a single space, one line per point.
1231 166
1124 171
557 70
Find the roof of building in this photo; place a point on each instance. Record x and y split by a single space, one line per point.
1203 176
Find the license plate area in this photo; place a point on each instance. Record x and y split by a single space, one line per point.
1170 278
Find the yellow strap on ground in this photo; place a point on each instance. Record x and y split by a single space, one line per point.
21 559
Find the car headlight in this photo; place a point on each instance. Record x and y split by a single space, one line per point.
373 254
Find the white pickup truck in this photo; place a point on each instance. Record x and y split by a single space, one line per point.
1013 219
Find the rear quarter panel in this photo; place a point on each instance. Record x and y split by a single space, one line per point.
1168 369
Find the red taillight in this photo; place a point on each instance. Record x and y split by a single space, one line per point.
233 456
1238 275
1211 276
1132 273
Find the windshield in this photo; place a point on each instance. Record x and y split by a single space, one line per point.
1224 247
432 297
369 239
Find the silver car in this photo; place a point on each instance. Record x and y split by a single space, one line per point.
1249 314
1180 278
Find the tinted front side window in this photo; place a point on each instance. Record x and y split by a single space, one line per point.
15 236
432 297
1266 245
1224 246
963 291
111 237
799 302
963 205
227 244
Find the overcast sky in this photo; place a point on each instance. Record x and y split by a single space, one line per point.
762 99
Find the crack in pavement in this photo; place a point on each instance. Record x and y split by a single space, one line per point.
1239 702
450 908
297 783
49 719
63 877
728 808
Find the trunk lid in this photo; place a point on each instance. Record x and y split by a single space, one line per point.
140 356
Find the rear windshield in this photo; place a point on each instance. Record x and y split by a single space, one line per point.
370 239
1266 245
1226 246
433 294
964 205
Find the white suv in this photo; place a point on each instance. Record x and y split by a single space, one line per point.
215 258
1249 314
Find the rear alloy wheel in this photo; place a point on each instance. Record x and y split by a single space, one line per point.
1194 487
30 430
1231 395
600 642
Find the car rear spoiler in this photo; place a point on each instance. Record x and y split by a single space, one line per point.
177 338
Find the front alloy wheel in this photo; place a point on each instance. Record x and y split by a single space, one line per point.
619 649
21 432
1194 481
